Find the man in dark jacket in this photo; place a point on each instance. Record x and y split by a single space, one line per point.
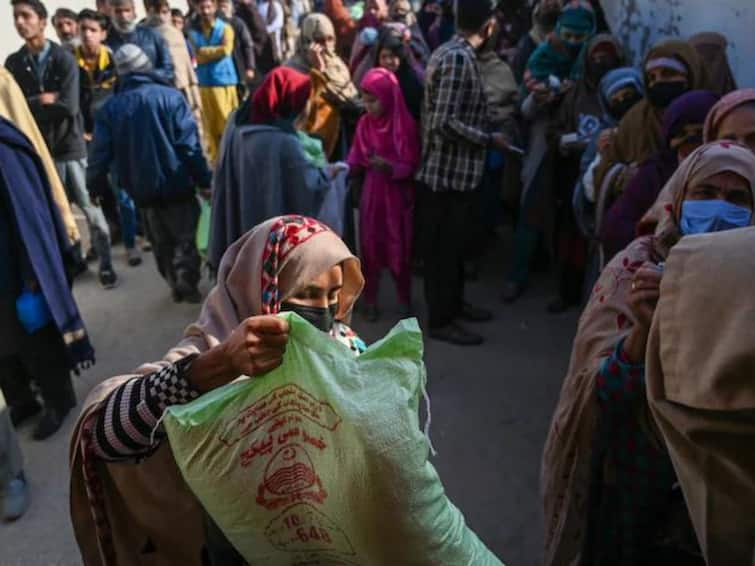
264 52
125 30
49 78
42 336
148 131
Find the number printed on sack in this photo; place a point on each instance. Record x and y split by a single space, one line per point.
313 533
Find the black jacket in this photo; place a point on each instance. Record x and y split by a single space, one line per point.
153 45
61 123
147 135
243 48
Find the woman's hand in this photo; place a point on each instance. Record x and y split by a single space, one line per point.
543 95
257 345
380 164
605 140
316 56
643 299
254 348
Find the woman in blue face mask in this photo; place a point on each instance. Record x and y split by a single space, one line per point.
606 478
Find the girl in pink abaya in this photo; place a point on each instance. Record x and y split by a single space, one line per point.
387 149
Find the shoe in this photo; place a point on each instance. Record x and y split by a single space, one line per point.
16 500
193 297
557 306
187 291
79 268
371 313
134 257
511 292
455 334
108 278
475 314
91 256
21 414
52 420
146 246
177 297
405 310
78 263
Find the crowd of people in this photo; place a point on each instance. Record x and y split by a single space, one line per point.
405 134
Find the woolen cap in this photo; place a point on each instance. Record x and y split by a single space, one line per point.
131 59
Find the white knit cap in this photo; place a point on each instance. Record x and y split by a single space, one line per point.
131 59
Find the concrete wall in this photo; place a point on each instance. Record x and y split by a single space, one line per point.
9 40
640 23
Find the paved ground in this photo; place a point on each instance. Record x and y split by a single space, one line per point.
490 405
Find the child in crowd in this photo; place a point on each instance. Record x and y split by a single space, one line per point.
387 148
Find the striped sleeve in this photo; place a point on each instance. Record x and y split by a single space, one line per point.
124 428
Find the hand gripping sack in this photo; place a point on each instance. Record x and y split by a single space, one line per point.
322 462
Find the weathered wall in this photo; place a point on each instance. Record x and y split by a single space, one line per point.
640 23
9 40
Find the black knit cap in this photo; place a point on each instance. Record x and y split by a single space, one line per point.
471 15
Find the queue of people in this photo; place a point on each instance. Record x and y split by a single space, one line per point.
403 135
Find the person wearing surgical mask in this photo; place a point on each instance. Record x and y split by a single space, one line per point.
126 30
682 128
603 466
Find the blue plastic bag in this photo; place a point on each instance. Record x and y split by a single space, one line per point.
33 311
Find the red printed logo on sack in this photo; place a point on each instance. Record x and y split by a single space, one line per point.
290 477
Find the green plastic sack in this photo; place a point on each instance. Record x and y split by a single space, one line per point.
322 462
203 227
356 11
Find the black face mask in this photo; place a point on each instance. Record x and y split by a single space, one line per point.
319 317
663 94
619 109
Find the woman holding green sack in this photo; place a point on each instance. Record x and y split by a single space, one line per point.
129 502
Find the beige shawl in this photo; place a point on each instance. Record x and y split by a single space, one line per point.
13 107
149 501
568 454
700 361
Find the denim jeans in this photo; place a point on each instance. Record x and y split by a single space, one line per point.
73 176
11 460
127 210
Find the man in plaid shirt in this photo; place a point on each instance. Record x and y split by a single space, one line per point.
455 142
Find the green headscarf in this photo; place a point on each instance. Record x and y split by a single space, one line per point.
577 16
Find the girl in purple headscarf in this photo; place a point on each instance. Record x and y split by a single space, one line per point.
683 131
